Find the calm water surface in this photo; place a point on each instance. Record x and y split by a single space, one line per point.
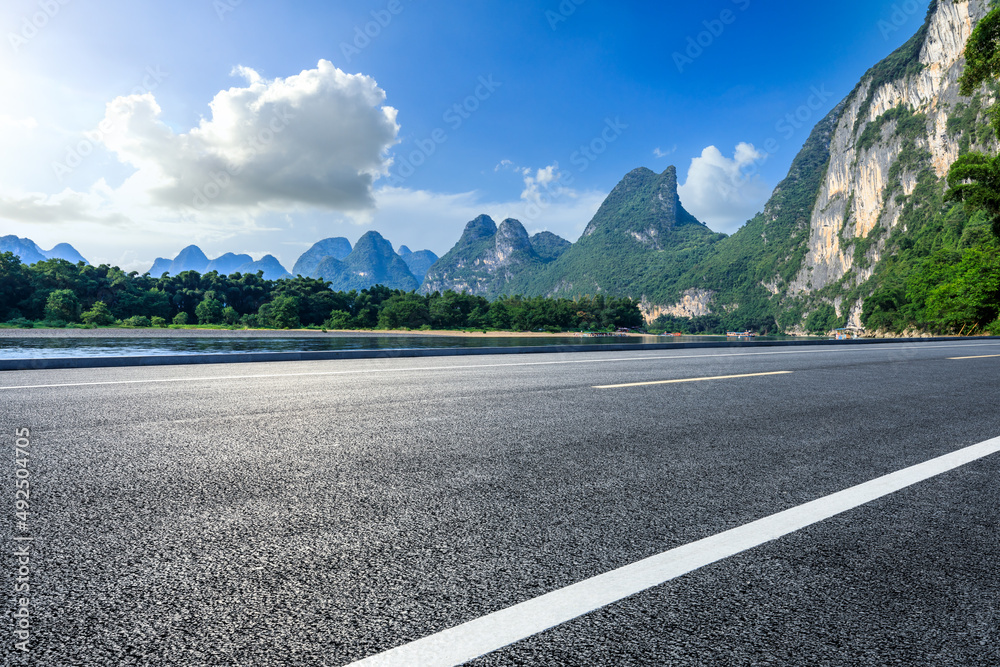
40 348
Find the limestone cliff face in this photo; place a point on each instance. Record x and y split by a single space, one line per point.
693 303
870 175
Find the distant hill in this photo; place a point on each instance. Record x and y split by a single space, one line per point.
548 246
272 268
192 258
228 263
371 262
29 252
638 242
338 248
488 259
418 262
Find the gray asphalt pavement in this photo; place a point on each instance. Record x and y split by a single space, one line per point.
316 513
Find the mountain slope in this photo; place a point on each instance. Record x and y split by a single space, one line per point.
548 246
29 252
488 260
639 241
306 265
418 262
228 264
272 268
863 196
371 262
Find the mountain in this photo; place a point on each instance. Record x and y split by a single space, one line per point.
338 248
29 252
418 262
859 233
548 246
371 262
67 252
228 264
190 258
272 268
639 238
488 259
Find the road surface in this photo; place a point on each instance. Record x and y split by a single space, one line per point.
322 513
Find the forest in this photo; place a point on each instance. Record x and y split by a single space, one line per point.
57 293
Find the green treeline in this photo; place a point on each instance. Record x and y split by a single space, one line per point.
58 293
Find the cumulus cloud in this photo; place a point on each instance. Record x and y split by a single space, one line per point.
540 183
318 138
725 192
65 207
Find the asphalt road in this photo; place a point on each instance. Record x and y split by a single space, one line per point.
320 513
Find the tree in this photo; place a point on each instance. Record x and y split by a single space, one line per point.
99 314
340 319
982 58
63 305
974 178
281 313
181 318
404 311
16 283
209 311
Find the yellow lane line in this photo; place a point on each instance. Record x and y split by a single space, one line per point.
719 377
983 356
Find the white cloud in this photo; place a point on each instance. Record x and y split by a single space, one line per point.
10 123
662 154
540 183
725 192
318 138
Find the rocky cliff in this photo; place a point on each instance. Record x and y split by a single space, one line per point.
488 260
869 180
891 134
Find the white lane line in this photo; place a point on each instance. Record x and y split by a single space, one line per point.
364 371
704 379
982 356
502 628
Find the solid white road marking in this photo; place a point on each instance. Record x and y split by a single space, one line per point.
982 356
705 379
364 371
489 633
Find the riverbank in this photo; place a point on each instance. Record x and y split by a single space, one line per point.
113 332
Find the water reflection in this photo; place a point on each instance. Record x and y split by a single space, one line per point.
42 348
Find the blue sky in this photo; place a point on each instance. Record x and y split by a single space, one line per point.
109 141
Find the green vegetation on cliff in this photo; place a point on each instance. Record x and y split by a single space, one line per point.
639 241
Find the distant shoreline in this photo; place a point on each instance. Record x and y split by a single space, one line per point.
268 333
